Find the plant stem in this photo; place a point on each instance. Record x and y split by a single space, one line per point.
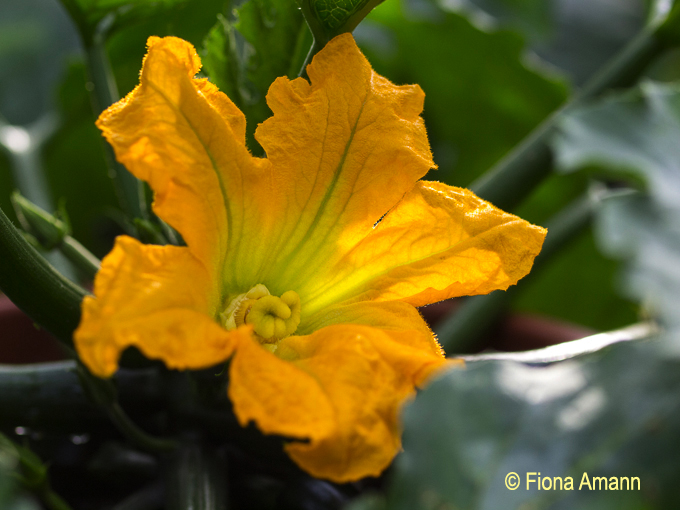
53 501
35 286
136 435
459 332
104 393
57 397
28 172
80 256
196 479
147 498
518 173
129 189
316 48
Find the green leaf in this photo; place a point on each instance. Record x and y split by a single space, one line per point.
614 414
18 465
92 16
630 135
635 136
329 18
481 96
533 17
334 14
268 39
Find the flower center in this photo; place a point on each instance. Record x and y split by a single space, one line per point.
272 317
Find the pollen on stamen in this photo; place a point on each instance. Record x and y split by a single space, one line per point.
272 317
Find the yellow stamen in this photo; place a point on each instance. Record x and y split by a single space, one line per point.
272 317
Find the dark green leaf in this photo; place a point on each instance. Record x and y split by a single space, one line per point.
268 39
92 16
333 14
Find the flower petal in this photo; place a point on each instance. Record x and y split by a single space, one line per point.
157 298
280 397
402 320
187 140
438 242
345 149
341 388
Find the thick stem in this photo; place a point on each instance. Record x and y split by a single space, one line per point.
517 174
149 498
35 286
196 478
57 398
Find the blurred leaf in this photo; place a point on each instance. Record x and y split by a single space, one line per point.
614 414
577 36
189 19
10 460
75 166
481 98
632 135
268 39
535 18
636 136
578 286
105 15
35 37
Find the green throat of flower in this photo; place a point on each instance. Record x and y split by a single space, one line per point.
272 317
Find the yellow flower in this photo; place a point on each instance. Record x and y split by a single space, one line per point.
304 268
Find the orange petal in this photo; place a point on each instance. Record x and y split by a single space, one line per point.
395 316
345 149
157 298
438 242
187 140
341 388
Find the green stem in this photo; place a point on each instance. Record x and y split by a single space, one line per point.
148 498
80 256
35 286
104 393
460 332
517 174
196 479
57 397
316 48
321 37
129 189
53 501
136 435
29 174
